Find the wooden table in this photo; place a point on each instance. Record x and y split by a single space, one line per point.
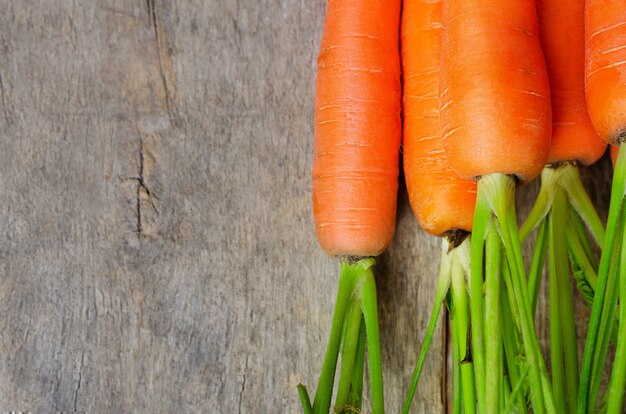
157 249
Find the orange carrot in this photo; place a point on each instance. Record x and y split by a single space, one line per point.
355 184
605 68
441 200
495 117
357 127
562 37
494 92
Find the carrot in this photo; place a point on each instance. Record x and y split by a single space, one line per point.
355 182
605 67
495 119
574 140
357 128
605 87
562 29
440 199
443 202
494 97
574 143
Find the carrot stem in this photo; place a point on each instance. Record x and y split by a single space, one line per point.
369 306
305 401
607 321
549 182
579 199
558 249
443 283
323 393
350 340
457 384
349 274
584 271
461 313
510 342
356 388
482 219
517 390
617 384
556 344
581 231
500 192
537 263
493 335
603 305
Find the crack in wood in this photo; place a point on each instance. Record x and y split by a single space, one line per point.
142 188
80 378
139 184
243 383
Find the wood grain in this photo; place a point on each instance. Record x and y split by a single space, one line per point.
156 237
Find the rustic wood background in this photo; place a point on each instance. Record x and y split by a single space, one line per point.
157 250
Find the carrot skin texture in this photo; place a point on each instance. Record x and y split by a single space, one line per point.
562 33
441 200
494 93
605 67
357 127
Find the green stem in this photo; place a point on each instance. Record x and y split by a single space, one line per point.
493 335
356 389
581 231
536 265
482 218
556 345
443 283
511 349
584 272
607 320
617 384
457 401
350 340
594 354
558 250
549 182
370 314
323 393
579 199
500 190
517 390
305 401
505 392
461 311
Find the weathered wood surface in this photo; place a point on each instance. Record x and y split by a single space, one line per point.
156 243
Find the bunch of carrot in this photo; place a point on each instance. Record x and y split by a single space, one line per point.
495 93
